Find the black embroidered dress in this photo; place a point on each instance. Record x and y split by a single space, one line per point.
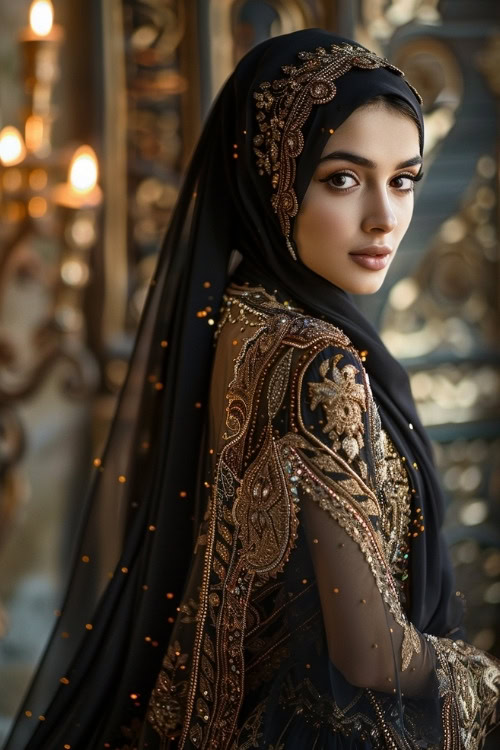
299 635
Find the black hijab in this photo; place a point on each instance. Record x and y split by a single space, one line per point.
144 504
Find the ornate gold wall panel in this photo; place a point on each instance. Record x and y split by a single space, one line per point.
234 26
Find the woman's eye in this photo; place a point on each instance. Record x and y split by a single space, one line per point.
404 182
341 181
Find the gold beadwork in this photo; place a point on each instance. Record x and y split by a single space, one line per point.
291 249
284 106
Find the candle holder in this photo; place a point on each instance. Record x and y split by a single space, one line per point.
40 44
77 202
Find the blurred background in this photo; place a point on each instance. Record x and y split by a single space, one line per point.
101 102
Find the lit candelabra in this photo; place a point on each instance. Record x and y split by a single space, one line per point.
47 232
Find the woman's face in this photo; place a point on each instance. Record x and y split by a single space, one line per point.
359 202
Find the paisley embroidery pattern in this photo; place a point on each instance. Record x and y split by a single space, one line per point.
265 523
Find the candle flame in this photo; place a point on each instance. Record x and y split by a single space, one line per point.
41 17
83 170
12 148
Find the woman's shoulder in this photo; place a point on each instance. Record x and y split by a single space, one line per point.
289 355
284 321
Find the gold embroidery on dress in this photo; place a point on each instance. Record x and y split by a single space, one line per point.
165 706
396 512
253 522
284 106
343 401
232 637
260 523
410 646
266 521
469 684
317 708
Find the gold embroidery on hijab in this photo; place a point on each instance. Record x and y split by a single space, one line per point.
284 106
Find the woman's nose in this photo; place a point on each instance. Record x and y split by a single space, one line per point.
379 215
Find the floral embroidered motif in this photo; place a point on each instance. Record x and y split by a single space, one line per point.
343 401
165 706
284 106
469 684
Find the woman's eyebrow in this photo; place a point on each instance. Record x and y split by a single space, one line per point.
362 161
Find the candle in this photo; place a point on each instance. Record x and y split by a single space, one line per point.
84 170
81 190
12 148
42 26
41 17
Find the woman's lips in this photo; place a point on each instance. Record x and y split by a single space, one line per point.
373 258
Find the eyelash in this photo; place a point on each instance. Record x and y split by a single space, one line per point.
414 178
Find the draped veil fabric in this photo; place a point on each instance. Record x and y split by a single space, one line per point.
230 561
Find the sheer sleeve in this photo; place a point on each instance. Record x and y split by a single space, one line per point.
364 640
335 461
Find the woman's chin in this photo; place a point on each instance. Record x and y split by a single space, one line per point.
368 288
360 286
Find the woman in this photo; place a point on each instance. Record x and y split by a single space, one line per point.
318 608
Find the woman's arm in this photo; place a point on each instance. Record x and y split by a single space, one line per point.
365 642
331 460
